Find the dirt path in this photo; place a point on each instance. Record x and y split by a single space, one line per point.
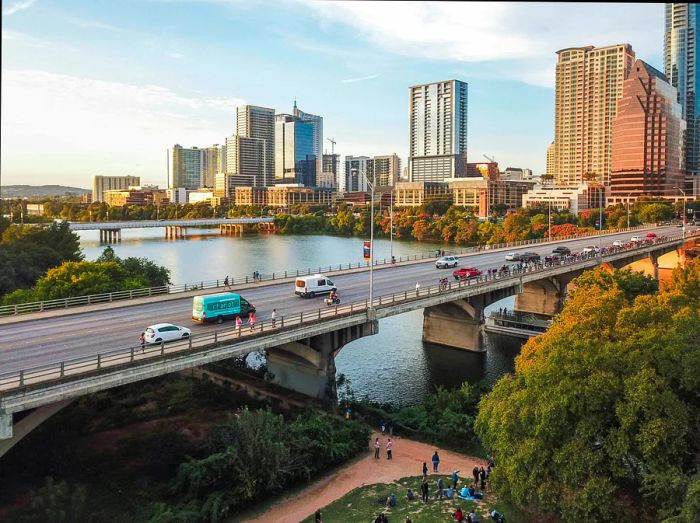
408 458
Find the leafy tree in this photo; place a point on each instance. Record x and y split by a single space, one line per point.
56 502
598 422
656 212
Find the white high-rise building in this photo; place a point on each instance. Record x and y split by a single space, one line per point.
257 122
355 178
438 131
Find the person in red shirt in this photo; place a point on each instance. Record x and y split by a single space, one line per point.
459 515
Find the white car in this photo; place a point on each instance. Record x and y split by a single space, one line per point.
165 332
590 249
636 239
446 262
512 256
618 243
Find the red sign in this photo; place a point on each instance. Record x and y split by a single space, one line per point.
367 250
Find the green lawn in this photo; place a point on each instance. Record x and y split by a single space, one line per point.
361 505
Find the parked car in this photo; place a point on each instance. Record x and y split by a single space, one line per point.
310 286
635 239
464 273
446 262
162 332
618 243
528 257
561 249
512 256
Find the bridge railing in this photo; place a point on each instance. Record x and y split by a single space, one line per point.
111 359
63 303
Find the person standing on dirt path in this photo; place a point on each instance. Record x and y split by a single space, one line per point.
389 447
436 461
425 470
377 448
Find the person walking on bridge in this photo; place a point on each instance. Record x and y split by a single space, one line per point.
251 321
273 317
226 283
142 340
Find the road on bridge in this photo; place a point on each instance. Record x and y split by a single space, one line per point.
36 342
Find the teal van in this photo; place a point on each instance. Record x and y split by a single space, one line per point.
220 307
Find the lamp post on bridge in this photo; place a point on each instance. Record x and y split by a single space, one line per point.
371 242
684 212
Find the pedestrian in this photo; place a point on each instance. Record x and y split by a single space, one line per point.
472 517
142 340
455 478
273 317
377 448
475 473
389 446
436 461
424 490
226 282
482 477
425 470
417 287
251 320
383 427
440 486
317 517
391 428
239 322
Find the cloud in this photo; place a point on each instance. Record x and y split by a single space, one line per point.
18 6
87 126
89 24
23 38
360 79
174 55
521 38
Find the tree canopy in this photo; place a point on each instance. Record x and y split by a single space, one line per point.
599 421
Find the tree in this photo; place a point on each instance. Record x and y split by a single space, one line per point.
598 421
656 212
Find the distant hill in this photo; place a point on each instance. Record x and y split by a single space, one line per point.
39 191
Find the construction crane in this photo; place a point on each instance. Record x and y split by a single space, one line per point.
333 142
490 159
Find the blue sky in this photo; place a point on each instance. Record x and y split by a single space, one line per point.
104 87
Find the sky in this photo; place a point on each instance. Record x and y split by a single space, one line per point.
102 87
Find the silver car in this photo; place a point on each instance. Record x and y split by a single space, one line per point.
446 262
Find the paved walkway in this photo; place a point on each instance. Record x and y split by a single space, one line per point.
408 458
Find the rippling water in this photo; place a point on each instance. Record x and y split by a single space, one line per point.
394 366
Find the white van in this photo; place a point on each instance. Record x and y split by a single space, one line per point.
310 286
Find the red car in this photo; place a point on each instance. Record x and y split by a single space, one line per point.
466 272
651 235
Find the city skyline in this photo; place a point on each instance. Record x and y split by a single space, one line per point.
126 100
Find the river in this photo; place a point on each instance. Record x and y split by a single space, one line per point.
394 366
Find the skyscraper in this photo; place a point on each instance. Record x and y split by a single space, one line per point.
356 172
317 126
213 162
259 122
245 160
551 161
295 161
588 87
386 169
329 173
100 184
438 131
682 69
647 136
187 166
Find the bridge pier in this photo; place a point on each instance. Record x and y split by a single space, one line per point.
544 296
308 366
174 232
110 235
458 324
231 229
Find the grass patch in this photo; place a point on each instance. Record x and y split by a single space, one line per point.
362 504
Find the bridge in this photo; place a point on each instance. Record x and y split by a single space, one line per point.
111 231
64 355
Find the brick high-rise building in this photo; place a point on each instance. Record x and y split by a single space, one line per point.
647 136
588 87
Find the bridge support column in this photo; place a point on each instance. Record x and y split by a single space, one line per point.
544 296
458 324
5 426
308 366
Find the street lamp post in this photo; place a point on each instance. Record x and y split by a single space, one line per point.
684 212
391 225
600 221
371 242
549 221
628 209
